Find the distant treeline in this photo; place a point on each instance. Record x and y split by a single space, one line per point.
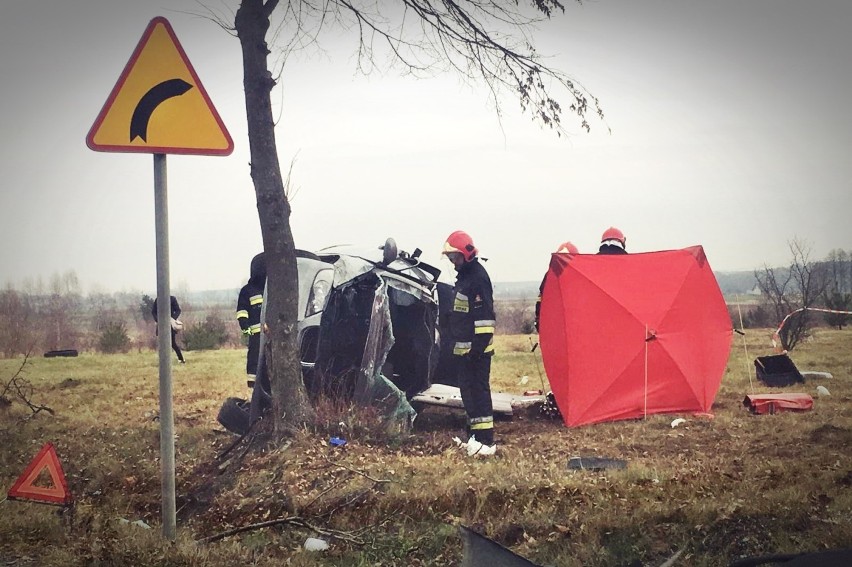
57 315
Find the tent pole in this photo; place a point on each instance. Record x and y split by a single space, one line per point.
745 345
646 372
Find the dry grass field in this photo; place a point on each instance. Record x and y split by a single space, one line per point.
716 489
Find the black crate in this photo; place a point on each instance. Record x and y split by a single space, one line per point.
777 370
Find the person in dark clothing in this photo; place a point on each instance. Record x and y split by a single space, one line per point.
471 325
176 325
613 241
564 248
249 307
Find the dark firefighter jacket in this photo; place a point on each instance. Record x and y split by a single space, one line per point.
611 249
249 304
472 319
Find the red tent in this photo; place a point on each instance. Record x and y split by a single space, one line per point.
625 336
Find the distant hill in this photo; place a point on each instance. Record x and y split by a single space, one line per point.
731 283
516 290
212 298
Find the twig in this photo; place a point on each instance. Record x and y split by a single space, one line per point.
231 447
671 560
356 471
291 520
318 496
19 385
352 500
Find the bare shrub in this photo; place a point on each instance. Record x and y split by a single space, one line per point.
16 330
58 312
514 317
793 289
18 388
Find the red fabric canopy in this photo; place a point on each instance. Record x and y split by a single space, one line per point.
623 336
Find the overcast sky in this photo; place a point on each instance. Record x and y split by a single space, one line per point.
728 124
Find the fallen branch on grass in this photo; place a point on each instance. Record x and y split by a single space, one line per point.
356 471
289 520
22 390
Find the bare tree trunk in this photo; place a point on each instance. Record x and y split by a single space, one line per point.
290 403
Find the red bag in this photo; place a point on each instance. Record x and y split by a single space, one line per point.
775 403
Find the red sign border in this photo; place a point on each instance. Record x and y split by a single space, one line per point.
46 458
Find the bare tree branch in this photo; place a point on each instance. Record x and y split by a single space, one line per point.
22 390
793 290
290 520
483 41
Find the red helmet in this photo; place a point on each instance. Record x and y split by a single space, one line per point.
613 233
567 248
460 242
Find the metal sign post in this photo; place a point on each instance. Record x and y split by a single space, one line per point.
159 106
164 343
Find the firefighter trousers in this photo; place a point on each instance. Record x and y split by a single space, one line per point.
474 384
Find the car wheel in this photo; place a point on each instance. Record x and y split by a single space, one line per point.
234 415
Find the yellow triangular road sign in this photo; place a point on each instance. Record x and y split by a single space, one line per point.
158 104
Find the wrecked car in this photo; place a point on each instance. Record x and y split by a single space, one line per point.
368 331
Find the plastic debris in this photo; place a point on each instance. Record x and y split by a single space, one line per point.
337 441
474 448
315 544
677 422
524 380
810 375
138 523
823 391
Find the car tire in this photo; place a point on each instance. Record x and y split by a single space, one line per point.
234 415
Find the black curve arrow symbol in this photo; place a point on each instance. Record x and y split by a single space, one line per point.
148 103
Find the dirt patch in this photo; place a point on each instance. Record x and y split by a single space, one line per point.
831 435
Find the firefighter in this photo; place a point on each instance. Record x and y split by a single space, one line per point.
613 241
471 326
176 325
564 248
249 306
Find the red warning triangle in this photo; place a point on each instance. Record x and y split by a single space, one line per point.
24 489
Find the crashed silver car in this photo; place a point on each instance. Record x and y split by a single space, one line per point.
379 320
368 331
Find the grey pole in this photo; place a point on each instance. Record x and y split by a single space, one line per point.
164 343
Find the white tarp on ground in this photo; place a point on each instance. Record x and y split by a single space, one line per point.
450 396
